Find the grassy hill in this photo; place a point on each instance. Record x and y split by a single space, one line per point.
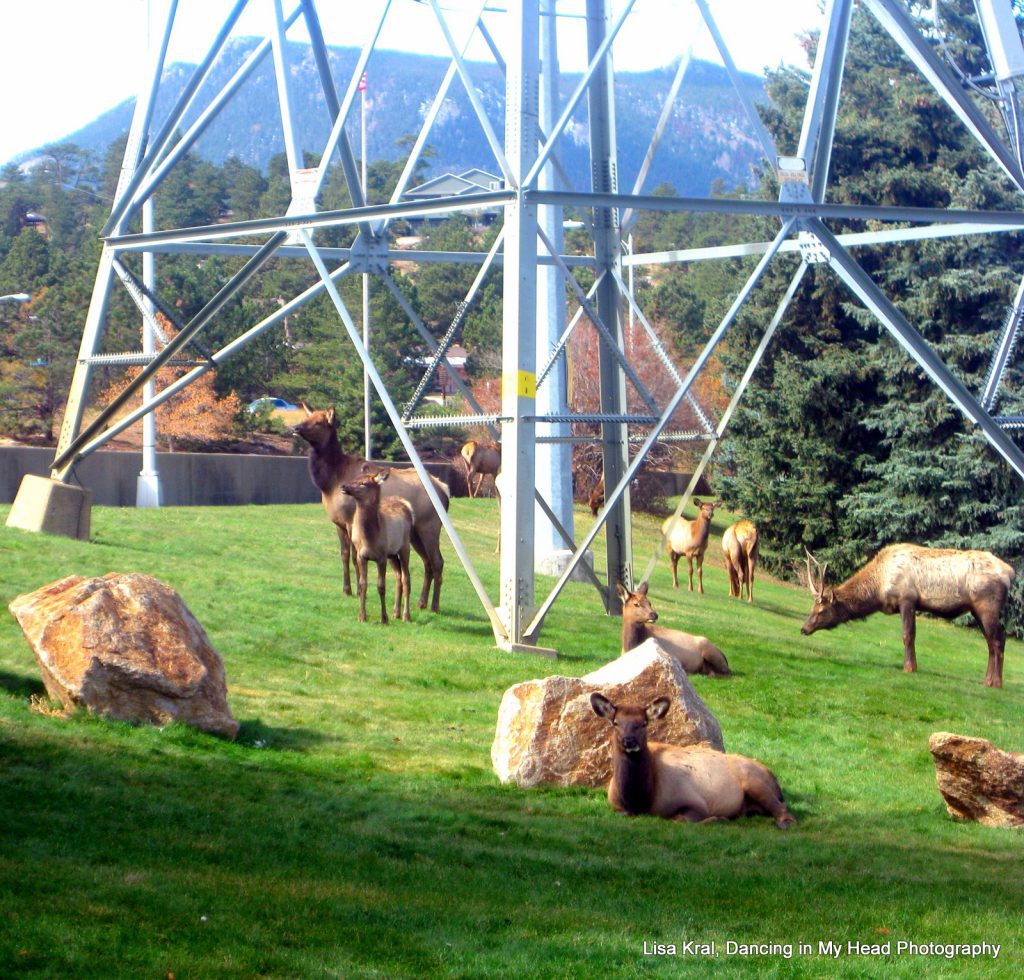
356 828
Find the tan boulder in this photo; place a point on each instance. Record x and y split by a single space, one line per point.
979 781
548 733
126 647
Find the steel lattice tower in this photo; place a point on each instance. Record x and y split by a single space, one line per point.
534 190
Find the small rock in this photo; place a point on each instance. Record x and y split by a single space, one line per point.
979 781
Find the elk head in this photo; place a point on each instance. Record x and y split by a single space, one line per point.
824 613
629 722
317 428
368 485
636 607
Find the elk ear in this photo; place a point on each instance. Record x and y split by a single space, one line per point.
658 708
381 475
602 706
641 589
621 591
829 597
698 503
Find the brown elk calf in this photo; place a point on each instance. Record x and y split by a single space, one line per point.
905 578
380 530
330 466
690 783
696 654
739 545
690 538
482 459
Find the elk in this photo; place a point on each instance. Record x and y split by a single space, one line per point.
596 497
696 654
906 578
330 466
688 783
380 532
739 544
482 459
690 538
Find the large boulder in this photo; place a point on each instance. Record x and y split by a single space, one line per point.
548 733
127 647
979 781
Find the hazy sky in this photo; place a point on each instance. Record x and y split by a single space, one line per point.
65 62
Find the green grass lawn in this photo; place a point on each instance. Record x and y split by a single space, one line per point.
356 829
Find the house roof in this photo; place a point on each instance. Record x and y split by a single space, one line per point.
454 185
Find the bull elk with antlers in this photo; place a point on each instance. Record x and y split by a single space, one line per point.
906 578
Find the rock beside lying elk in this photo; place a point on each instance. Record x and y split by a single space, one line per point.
690 783
696 654
740 546
690 538
330 466
907 578
380 530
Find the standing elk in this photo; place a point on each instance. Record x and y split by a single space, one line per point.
380 530
687 783
739 545
596 498
905 578
330 466
696 654
690 538
482 459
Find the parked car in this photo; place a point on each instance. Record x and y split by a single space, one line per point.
272 404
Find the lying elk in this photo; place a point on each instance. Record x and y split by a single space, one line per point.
690 538
330 466
905 578
380 533
690 783
482 459
739 545
696 654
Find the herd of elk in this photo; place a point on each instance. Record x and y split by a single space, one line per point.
739 545
907 578
689 538
482 459
330 467
381 530
692 783
696 654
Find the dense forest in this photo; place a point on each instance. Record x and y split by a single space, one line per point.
841 444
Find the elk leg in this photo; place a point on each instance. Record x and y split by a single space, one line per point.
689 565
396 567
361 577
995 637
750 581
346 554
382 569
909 634
764 796
674 558
404 562
700 573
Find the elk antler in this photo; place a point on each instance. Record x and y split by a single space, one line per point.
819 588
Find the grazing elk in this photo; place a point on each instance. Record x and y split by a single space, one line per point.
691 783
739 545
380 531
905 578
596 498
696 654
690 538
330 466
482 459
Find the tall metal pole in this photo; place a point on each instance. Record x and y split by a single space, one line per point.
148 492
554 459
519 338
367 426
608 253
